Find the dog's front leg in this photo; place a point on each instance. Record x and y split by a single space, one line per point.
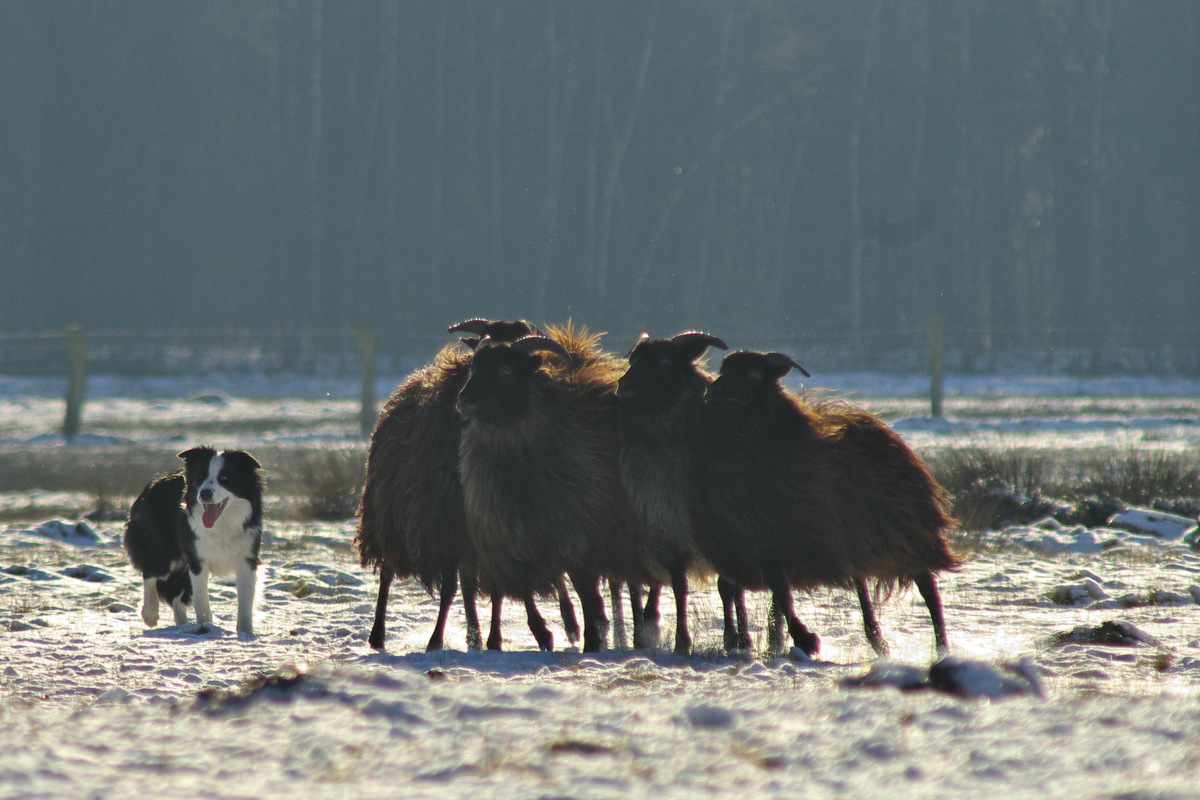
150 601
247 585
180 611
200 597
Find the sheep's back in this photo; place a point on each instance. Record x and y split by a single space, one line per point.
900 517
766 496
411 515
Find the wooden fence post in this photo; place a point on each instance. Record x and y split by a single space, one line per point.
936 371
76 382
366 365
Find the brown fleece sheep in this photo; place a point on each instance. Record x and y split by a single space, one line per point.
799 495
540 473
411 520
660 399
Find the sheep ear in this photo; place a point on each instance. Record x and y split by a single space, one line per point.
780 363
693 343
645 337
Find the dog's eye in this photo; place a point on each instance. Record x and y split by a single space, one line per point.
224 476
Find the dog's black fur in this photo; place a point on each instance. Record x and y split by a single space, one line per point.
153 542
162 534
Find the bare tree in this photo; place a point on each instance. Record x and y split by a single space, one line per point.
857 232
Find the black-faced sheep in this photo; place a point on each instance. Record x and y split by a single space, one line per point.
800 495
540 473
411 519
661 400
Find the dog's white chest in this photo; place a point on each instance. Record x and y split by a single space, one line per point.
228 543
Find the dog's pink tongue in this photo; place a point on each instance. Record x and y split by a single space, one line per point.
212 511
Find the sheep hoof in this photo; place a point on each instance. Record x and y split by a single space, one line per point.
810 643
375 639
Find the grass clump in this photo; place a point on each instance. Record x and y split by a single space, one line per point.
331 483
1140 476
1020 470
992 488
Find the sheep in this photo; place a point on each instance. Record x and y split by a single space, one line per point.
540 473
411 519
660 400
799 495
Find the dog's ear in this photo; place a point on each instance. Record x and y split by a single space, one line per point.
243 457
196 455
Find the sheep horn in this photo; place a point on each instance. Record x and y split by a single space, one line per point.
533 344
645 337
476 326
785 362
698 336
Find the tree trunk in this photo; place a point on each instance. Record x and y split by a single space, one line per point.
315 232
857 233
614 168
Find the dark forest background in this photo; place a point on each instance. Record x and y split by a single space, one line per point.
1027 171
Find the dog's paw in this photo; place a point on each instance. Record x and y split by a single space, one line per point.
151 620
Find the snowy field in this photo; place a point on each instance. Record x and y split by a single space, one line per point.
1075 670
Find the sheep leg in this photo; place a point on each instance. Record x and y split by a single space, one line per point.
781 604
644 637
870 623
495 641
650 635
537 625
470 589
567 611
595 623
679 585
743 619
774 629
638 615
378 628
614 590
445 599
732 597
927 586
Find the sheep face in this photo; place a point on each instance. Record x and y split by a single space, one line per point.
498 390
748 376
662 370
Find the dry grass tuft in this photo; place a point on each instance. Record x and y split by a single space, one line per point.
331 482
1140 476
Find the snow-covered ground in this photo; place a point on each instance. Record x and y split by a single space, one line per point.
1076 666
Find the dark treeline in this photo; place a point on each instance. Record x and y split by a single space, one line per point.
1026 170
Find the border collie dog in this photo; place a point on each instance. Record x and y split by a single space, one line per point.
203 520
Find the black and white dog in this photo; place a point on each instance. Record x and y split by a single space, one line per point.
203 520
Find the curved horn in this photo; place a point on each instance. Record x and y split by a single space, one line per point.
698 337
503 330
645 337
785 362
476 326
533 344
